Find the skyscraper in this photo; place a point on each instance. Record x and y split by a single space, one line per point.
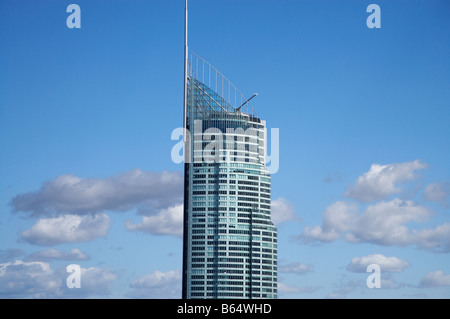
229 241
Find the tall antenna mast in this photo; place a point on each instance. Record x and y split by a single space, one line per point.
185 70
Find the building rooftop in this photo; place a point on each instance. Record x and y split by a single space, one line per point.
214 92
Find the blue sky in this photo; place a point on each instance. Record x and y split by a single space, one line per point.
86 116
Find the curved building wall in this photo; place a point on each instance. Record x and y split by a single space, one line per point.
230 243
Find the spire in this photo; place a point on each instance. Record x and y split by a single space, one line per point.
185 69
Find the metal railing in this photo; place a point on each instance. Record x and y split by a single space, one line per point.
205 73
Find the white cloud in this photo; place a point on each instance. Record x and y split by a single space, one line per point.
384 223
282 211
381 180
337 219
435 279
75 195
55 254
34 279
438 192
296 268
167 222
437 238
387 264
67 229
94 282
158 284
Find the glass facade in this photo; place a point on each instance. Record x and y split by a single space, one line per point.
230 243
